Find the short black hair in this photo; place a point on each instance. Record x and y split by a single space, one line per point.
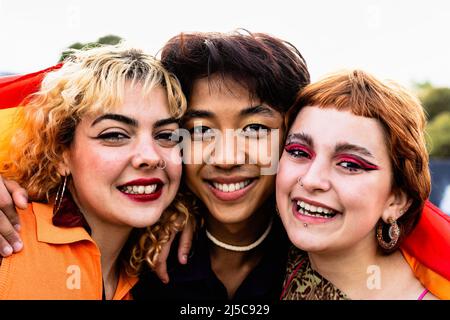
270 68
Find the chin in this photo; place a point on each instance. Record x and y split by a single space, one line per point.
309 244
231 215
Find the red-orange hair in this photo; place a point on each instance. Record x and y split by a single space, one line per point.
402 117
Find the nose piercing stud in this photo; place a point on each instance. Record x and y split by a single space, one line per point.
161 164
299 181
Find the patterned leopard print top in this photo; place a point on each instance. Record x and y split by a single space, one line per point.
304 283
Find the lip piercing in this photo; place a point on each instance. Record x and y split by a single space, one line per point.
305 225
299 181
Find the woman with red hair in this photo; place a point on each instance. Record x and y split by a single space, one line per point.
351 186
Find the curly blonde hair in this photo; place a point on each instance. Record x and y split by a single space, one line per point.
89 82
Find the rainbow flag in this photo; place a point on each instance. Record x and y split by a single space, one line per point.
13 90
427 249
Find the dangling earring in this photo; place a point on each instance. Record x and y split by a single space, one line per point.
59 196
65 211
394 234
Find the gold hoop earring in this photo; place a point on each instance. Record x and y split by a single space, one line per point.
393 233
59 195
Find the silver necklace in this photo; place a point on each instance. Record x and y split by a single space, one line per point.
241 248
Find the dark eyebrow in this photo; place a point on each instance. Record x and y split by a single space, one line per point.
116 117
198 114
164 122
263 110
302 137
343 147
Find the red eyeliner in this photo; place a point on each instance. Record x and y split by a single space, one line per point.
363 164
295 146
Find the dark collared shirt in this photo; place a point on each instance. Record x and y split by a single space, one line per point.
196 281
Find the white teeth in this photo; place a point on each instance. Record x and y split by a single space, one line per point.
150 189
310 210
231 187
140 189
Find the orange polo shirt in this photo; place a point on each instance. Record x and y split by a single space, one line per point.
55 263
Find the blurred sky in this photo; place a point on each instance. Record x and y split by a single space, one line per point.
402 40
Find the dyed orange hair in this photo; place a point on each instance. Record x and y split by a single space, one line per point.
402 118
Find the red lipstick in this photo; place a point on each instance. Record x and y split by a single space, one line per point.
143 182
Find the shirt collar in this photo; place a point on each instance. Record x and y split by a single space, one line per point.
49 233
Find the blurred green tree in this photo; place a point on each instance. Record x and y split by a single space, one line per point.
438 131
109 39
434 99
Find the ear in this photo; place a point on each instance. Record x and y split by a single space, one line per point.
63 166
396 205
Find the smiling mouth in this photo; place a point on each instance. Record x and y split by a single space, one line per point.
314 211
140 189
230 187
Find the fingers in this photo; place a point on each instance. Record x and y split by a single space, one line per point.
9 222
161 264
19 194
9 238
186 241
11 195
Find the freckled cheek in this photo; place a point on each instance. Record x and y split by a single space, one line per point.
362 195
94 164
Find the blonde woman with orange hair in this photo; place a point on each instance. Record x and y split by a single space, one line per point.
97 152
352 182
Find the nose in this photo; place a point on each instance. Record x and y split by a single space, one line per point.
316 178
228 151
146 155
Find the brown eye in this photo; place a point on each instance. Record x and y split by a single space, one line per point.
255 130
168 138
199 133
113 136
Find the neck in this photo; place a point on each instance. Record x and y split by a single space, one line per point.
242 233
110 239
355 271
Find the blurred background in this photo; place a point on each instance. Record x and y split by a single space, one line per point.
406 41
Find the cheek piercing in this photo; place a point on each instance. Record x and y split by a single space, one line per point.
299 181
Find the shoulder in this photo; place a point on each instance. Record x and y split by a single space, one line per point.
295 255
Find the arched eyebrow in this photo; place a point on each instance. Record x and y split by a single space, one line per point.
204 114
116 117
163 122
258 110
132 122
345 147
300 137
340 147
